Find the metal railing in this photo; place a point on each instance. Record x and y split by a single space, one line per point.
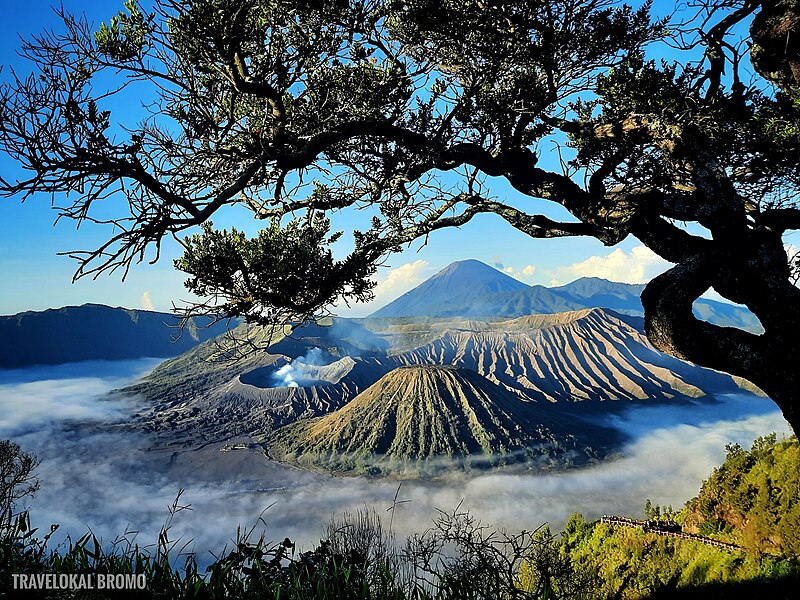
669 529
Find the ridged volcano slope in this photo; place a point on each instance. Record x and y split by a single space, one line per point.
564 358
580 355
424 419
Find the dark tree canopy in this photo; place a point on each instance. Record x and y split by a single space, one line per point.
297 111
17 478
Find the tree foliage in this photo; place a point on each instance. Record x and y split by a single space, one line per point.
17 477
408 109
754 497
278 270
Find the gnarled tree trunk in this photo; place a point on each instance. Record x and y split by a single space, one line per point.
770 360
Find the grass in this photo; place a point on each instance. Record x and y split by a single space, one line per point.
358 559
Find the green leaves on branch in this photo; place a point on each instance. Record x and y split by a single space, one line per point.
361 90
285 273
124 37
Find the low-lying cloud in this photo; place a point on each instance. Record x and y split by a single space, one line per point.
100 477
38 398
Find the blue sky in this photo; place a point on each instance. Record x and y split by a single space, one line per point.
35 277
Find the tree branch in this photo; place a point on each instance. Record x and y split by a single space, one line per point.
779 220
672 327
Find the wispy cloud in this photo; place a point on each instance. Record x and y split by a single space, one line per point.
390 285
147 302
525 273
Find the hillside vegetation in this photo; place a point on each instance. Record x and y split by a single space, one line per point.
751 500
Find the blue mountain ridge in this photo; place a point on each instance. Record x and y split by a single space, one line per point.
470 288
97 332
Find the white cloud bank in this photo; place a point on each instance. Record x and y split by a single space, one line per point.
105 479
399 280
639 265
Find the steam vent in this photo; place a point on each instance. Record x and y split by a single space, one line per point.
425 420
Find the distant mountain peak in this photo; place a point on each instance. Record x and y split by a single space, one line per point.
96 332
465 263
472 268
472 289
444 293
